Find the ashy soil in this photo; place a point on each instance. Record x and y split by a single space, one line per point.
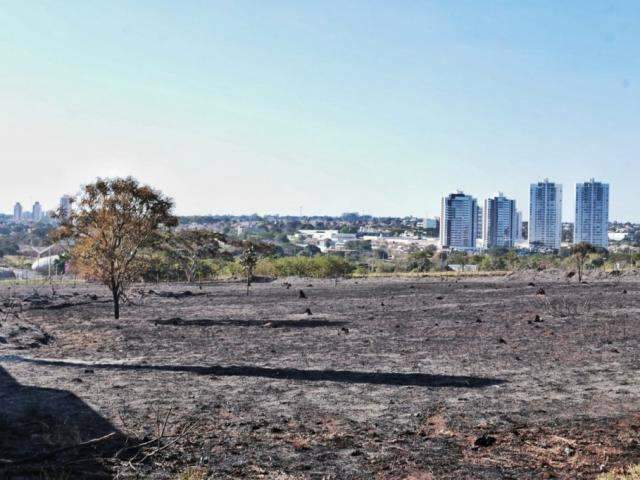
414 378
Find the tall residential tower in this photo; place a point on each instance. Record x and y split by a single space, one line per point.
500 223
17 212
545 215
36 212
592 213
458 221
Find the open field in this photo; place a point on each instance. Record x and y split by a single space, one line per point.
387 378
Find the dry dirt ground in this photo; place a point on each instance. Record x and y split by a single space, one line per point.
420 378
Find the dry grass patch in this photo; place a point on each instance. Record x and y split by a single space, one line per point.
300 443
630 473
194 473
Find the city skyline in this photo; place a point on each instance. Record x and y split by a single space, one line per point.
63 202
278 107
465 225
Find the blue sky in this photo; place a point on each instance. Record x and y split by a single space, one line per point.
328 106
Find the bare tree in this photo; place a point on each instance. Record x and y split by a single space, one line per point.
580 252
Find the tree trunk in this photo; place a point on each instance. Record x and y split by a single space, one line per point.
116 304
580 273
248 283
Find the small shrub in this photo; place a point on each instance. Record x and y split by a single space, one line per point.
266 268
361 270
420 261
384 266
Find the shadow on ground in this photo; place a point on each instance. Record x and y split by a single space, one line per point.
205 322
41 428
343 376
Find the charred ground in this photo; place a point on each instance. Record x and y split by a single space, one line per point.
372 378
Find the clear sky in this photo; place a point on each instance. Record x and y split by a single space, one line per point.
275 106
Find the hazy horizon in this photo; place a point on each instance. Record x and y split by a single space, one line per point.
246 107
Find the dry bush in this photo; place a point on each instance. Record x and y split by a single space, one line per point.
564 306
193 473
171 435
630 473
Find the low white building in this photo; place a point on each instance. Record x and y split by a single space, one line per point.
617 236
463 268
324 239
400 245
45 264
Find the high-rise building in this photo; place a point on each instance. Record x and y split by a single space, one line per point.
17 212
36 212
65 205
545 215
592 213
500 223
479 220
432 226
519 235
458 221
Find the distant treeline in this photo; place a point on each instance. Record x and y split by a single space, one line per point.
164 267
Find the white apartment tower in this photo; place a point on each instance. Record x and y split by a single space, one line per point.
458 221
592 213
500 223
36 212
17 212
545 215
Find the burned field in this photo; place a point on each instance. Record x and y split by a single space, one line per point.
374 378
